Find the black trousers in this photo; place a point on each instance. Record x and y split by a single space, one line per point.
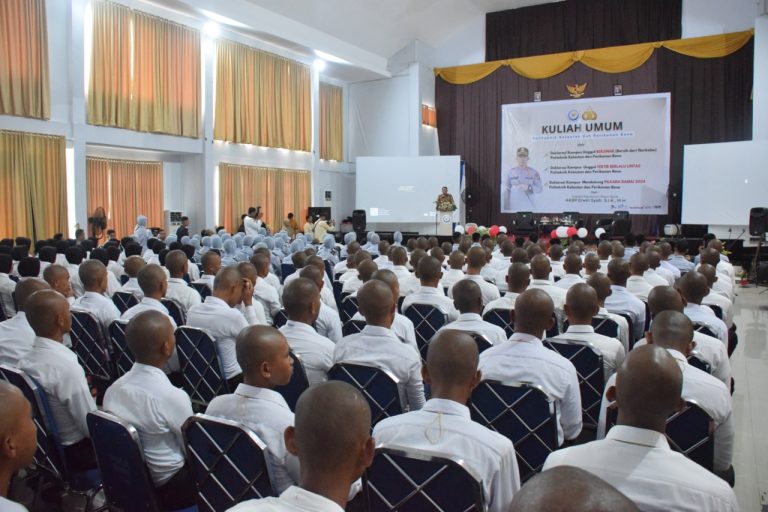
178 492
80 456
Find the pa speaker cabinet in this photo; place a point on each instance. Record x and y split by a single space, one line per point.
358 220
758 221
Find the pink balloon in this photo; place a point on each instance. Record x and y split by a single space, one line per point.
572 231
553 234
493 230
471 229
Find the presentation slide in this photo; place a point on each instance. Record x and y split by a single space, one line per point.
404 189
721 182
591 155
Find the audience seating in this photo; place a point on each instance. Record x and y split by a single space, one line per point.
91 348
409 479
203 375
522 412
349 308
377 385
175 310
695 360
601 325
703 329
481 341
352 327
280 319
427 320
124 278
203 289
297 385
124 301
227 462
717 310
501 318
337 287
122 358
286 269
630 329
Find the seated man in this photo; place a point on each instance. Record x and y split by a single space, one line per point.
580 306
57 278
252 311
621 301
715 299
605 253
602 286
635 456
556 261
430 291
351 249
7 285
177 264
218 316
401 325
518 278
145 398
540 271
476 258
328 323
153 284
656 274
637 284
468 299
455 270
264 355
350 270
693 286
332 441
571 271
16 336
665 252
680 259
74 256
57 371
377 345
264 292
93 278
724 285
211 265
301 298
444 426
132 266
18 437
525 359
591 265
365 270
399 258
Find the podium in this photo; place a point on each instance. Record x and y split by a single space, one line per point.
444 223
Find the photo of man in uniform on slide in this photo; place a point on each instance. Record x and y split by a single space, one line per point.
519 184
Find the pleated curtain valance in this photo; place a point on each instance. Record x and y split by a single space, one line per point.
616 59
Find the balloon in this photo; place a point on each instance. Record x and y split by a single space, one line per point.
562 232
582 232
471 229
553 234
503 229
459 229
493 230
572 231
599 232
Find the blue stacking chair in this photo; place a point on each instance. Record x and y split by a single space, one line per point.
703 329
352 327
227 461
124 301
601 325
630 328
328 270
203 289
297 385
588 362
349 308
378 386
286 269
717 310
281 318
410 479
122 357
501 318
124 278
337 287
427 320
49 461
482 342
127 484
92 350
695 360
523 413
175 310
203 375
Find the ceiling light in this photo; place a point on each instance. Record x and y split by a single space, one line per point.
211 29
319 64
330 58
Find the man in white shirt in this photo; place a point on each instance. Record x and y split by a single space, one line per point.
351 249
468 300
255 312
399 259
177 263
211 265
455 270
665 252
132 266
264 355
621 301
693 286
656 274
444 425
637 285
153 285
580 306
571 272
19 434
430 274
301 298
360 273
218 315
476 258
602 286
635 456
328 323
263 292
331 458
16 336
591 265
57 371
146 399
7 285
402 326
322 227
525 359
352 261
680 259
715 299
378 346
250 223
540 271
57 278
605 253
723 285
518 279
93 276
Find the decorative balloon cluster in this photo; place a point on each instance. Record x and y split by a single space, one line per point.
567 232
471 228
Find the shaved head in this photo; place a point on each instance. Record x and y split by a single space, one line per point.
710 256
601 285
694 286
581 304
17 430
618 271
376 301
467 296
227 278
476 258
211 262
664 298
430 269
366 269
452 360
147 334
398 256
48 314
604 250
638 264
152 280
570 489
264 355
262 263
300 296
176 263
572 264
518 277
533 312
456 260
26 288
709 272
315 275
540 267
591 263
133 264
93 275
248 271
390 279
672 329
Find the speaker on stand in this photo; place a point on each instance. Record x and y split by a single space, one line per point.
358 221
758 226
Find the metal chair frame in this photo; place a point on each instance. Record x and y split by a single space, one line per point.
175 309
501 318
205 380
381 407
122 358
298 383
426 323
124 301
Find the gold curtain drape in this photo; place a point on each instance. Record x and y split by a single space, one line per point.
261 98
33 185
125 189
331 125
616 59
277 191
24 84
145 72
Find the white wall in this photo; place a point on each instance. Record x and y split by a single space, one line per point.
379 123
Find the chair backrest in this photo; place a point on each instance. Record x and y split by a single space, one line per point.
203 375
89 345
297 385
124 301
286 269
203 289
400 301
377 385
427 320
703 329
352 327
695 360
481 341
630 328
588 361
502 318
647 324
717 310
349 308
175 310
280 319
605 326
48 456
555 329
328 270
122 357
124 278
409 479
127 485
523 413
227 461
337 287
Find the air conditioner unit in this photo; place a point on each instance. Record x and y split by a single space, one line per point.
171 221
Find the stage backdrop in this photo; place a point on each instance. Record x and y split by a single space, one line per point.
589 156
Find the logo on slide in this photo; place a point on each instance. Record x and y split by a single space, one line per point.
573 115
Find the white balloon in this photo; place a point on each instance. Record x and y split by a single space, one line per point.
599 232
582 232
502 229
459 229
562 231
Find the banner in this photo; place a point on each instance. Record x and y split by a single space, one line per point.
593 155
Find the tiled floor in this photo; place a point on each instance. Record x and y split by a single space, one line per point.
750 400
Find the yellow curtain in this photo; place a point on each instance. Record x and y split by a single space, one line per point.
277 191
33 188
616 59
145 72
261 98
24 86
125 189
331 125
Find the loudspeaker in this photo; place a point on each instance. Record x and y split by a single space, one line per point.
621 214
758 221
358 220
